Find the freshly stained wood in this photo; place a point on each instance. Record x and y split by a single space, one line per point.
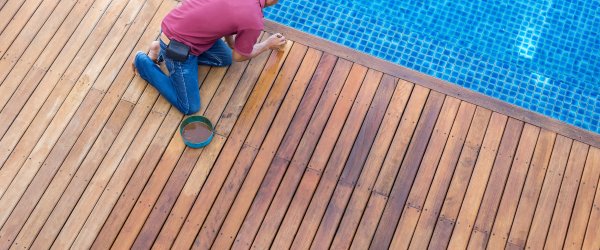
316 146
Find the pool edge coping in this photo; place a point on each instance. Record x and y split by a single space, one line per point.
436 84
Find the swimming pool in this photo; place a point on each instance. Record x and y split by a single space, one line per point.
537 54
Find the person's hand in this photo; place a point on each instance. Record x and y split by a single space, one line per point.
276 41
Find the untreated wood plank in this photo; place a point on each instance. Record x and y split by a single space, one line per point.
458 185
286 147
545 206
482 226
36 65
12 26
321 193
38 217
426 171
52 118
295 156
389 170
514 187
408 171
324 149
584 202
366 181
531 190
435 196
566 196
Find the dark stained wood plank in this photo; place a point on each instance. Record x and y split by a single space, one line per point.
514 187
584 202
247 153
435 197
350 105
496 184
462 175
531 190
267 151
321 193
354 165
439 85
364 185
408 171
425 174
295 156
481 174
547 201
592 235
389 170
566 196
287 146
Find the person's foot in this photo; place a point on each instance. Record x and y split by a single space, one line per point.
154 50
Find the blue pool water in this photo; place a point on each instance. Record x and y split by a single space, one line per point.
538 54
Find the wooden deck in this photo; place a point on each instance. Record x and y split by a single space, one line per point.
317 146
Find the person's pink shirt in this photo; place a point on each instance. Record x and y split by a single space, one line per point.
200 23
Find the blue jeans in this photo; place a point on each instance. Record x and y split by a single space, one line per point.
181 87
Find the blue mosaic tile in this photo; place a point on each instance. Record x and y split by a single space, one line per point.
538 54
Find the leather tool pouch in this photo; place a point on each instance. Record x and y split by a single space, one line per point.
177 51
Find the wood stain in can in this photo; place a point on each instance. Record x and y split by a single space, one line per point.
196 132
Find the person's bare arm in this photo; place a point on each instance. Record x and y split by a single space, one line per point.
273 42
230 41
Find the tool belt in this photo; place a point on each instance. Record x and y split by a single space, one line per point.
175 49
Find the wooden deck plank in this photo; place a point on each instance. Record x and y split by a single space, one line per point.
389 170
33 67
267 151
514 187
584 202
321 193
408 170
295 156
482 226
247 153
11 27
8 11
364 185
56 113
19 39
566 196
28 46
324 149
354 166
531 190
441 181
424 178
286 147
80 118
462 174
549 195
